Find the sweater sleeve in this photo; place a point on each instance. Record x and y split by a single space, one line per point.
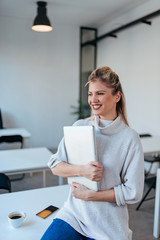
131 189
59 156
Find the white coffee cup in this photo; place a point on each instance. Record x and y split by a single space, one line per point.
16 218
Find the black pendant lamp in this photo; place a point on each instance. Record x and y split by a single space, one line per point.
41 22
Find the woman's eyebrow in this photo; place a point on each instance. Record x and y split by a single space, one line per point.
99 91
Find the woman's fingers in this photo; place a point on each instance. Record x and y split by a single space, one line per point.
96 164
93 171
75 185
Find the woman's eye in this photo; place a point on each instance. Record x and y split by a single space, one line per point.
100 93
89 94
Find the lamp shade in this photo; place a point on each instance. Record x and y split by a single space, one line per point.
41 22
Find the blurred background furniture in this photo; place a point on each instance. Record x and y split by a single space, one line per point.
1 120
156 225
17 131
4 132
26 160
5 182
151 148
31 202
13 139
150 180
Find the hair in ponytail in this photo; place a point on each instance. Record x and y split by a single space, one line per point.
111 79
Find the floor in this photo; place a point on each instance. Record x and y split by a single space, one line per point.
141 222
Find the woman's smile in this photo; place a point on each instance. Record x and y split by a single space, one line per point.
102 101
96 106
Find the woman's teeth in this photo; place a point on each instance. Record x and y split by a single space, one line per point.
96 106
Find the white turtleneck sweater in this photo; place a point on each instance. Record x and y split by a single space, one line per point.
119 151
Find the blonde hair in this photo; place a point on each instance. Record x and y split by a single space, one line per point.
111 79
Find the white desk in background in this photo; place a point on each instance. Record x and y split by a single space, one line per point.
16 131
156 226
25 160
151 145
31 202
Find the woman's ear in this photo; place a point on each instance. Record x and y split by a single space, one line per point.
118 96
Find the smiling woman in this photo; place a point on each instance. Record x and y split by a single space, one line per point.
101 215
101 100
105 95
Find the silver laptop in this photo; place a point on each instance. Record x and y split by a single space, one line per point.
81 148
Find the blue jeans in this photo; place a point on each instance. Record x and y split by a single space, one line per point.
61 230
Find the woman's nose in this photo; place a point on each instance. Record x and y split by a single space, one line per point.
94 99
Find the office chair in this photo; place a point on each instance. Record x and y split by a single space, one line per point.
1 120
5 182
150 179
13 139
145 135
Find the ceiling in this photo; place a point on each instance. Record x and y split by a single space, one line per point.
91 13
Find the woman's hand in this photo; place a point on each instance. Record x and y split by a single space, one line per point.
81 192
92 171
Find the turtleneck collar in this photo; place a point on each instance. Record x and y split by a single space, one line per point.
112 127
103 123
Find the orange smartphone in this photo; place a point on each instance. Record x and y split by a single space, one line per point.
47 211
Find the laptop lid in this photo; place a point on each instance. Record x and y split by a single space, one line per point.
81 149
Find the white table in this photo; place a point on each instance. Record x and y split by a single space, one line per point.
16 131
151 145
25 160
31 202
156 226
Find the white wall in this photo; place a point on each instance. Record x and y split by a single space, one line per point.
134 56
39 74
39 78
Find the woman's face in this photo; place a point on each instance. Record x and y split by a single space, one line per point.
101 100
